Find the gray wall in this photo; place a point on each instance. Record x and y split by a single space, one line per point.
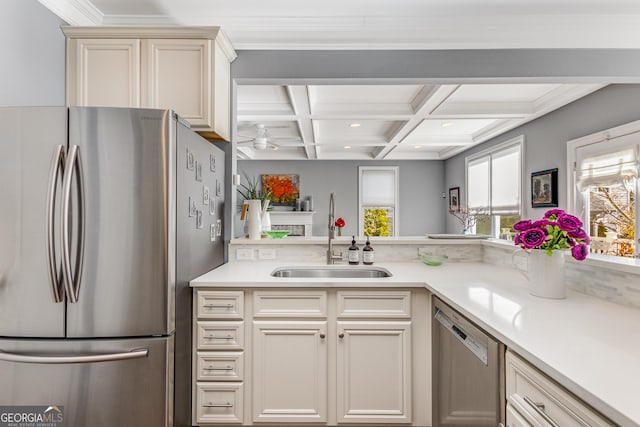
422 209
33 55
546 139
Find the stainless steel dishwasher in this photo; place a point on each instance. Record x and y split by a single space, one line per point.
468 372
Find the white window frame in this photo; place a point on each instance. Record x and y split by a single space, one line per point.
396 209
576 199
515 141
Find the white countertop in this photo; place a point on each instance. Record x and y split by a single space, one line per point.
590 346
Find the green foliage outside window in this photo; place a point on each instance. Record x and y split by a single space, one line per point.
377 222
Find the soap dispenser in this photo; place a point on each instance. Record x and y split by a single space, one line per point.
354 252
367 253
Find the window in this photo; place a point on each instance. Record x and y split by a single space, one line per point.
378 200
604 186
494 187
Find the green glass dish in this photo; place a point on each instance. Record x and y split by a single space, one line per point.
276 234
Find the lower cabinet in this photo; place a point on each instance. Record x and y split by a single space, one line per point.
535 400
290 371
374 372
313 357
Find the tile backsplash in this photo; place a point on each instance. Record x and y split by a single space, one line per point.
601 280
609 283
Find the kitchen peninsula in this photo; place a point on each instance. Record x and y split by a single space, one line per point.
550 335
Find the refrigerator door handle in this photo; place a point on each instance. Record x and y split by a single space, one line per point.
64 359
57 164
72 279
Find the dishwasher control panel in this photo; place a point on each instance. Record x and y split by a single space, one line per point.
477 348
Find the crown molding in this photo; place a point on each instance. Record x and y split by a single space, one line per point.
75 12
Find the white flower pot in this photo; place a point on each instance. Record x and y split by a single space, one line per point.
545 273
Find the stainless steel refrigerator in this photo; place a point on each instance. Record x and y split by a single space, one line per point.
105 215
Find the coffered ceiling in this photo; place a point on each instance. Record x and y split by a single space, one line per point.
386 121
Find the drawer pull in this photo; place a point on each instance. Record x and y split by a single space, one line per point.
218 405
218 337
539 408
218 306
210 368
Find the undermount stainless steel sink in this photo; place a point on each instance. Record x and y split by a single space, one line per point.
341 272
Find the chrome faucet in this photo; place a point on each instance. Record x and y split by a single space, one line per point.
331 257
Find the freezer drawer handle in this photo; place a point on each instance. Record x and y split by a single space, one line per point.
218 306
217 337
218 405
539 408
210 368
57 164
87 358
72 279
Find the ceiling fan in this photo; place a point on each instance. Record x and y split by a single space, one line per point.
262 140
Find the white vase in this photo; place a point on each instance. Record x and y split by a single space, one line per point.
545 273
254 222
266 221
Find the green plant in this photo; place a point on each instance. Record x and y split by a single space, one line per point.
251 190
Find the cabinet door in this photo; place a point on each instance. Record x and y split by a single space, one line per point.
178 76
289 371
374 372
103 72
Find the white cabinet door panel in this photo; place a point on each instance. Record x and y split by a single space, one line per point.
374 372
289 371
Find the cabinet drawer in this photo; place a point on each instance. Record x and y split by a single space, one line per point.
220 366
541 401
290 304
378 304
219 403
220 304
514 419
220 335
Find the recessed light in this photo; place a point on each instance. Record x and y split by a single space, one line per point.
354 125
347 147
447 124
417 146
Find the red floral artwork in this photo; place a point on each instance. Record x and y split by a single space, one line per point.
283 189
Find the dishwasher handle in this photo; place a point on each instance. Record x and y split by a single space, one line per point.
478 349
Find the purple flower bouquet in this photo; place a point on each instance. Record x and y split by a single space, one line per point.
557 230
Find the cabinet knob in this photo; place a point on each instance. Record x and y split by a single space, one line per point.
322 336
341 335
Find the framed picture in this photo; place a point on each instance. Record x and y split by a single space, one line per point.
544 189
283 189
454 199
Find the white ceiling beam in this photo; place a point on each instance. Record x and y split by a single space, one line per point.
259 117
484 109
351 109
428 101
264 108
299 98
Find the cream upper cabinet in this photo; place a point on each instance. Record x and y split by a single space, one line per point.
186 69
103 72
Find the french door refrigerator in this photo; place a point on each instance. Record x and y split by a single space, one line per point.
105 215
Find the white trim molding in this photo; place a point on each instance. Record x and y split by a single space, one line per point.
75 12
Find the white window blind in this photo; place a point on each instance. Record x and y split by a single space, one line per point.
494 180
605 164
478 184
505 181
378 187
